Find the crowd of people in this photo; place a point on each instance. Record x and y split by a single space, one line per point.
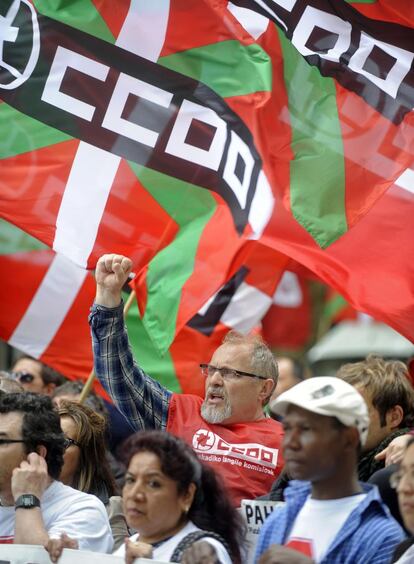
163 476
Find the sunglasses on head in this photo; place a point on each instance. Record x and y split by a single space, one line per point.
22 377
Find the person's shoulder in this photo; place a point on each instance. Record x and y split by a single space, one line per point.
186 399
376 518
273 424
222 554
191 530
373 506
265 426
58 493
381 522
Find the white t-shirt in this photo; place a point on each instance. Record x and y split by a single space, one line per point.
65 510
166 549
318 523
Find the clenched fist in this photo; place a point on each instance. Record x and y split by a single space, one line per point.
111 273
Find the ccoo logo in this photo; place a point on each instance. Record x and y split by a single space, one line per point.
203 440
19 44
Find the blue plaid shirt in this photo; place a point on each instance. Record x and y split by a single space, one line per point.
368 536
142 400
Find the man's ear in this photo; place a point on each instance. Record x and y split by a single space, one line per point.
394 416
267 389
352 437
41 451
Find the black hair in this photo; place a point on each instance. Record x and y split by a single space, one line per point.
211 509
40 426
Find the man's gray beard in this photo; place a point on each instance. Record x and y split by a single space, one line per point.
213 414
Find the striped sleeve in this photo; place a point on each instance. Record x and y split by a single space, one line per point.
142 400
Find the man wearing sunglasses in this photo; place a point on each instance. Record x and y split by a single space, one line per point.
34 505
35 376
228 429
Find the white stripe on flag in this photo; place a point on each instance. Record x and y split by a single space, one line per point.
253 23
93 170
261 208
81 210
288 292
144 33
406 180
49 307
246 308
83 203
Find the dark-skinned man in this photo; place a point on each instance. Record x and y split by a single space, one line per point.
329 516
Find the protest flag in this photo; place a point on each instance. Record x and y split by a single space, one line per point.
46 299
165 147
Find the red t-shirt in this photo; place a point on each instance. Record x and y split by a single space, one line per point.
247 455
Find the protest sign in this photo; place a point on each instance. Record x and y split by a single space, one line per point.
254 512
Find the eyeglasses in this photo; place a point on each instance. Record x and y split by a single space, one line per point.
396 477
22 377
227 373
70 442
9 441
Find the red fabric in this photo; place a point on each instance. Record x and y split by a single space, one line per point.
369 265
69 351
301 545
290 327
246 455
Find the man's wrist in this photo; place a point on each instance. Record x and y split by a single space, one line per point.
27 501
107 299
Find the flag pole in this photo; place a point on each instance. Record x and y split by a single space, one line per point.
91 378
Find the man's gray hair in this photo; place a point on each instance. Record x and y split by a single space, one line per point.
263 361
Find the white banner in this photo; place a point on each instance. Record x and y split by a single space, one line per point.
254 513
33 554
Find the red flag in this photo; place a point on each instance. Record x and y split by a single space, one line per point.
288 322
45 301
178 148
370 265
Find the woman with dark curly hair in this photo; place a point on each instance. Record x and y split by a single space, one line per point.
175 501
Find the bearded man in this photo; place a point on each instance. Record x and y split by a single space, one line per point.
228 428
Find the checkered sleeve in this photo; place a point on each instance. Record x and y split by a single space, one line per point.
142 400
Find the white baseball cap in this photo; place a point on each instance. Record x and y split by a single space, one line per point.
329 396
